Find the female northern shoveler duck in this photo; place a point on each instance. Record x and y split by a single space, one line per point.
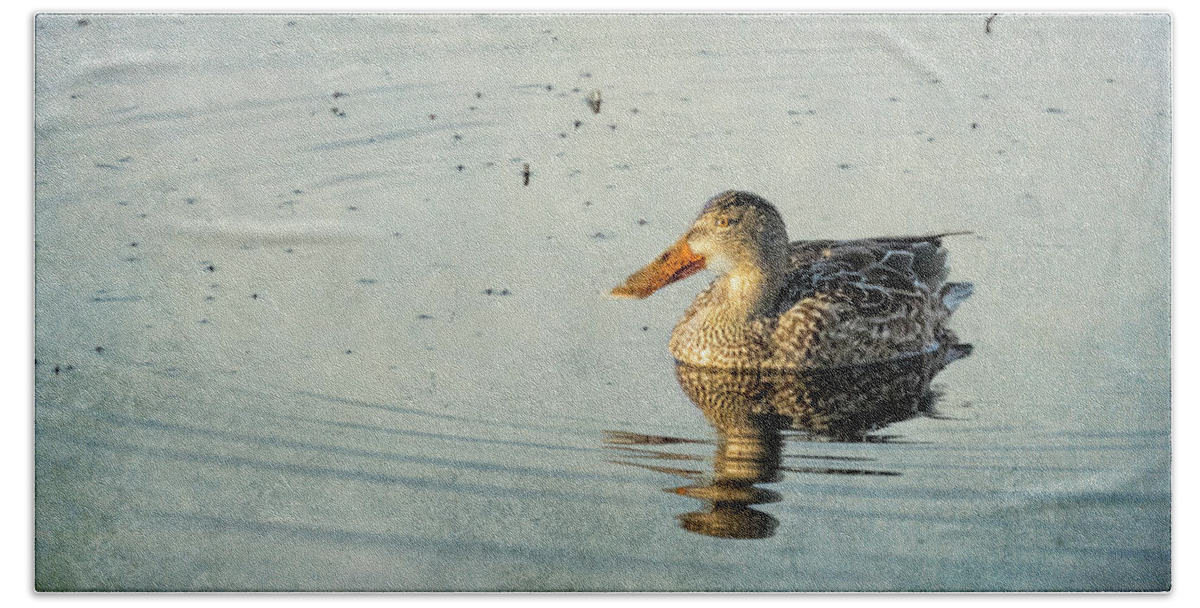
803 305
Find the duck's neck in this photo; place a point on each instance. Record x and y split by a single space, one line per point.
750 290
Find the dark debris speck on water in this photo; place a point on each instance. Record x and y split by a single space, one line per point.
496 292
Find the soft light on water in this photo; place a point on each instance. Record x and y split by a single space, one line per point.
301 325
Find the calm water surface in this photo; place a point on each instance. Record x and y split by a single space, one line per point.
301 326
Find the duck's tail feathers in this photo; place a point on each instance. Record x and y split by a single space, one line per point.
958 351
929 262
953 294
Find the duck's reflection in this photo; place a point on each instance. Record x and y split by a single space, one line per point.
752 411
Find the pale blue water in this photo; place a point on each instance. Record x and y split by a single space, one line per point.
339 403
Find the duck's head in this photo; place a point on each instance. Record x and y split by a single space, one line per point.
735 230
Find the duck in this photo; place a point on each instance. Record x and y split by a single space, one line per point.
803 305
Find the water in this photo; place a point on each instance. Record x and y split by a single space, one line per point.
300 324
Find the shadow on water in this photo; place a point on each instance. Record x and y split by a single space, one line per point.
755 413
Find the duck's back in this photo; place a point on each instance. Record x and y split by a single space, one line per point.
851 302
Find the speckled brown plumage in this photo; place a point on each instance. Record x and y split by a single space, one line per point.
808 304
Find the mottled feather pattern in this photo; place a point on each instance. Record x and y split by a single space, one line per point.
843 303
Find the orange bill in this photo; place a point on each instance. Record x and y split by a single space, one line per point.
676 263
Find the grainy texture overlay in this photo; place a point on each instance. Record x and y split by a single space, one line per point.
322 302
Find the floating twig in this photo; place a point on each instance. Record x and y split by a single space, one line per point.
525 174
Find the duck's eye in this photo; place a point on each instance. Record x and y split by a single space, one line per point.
722 222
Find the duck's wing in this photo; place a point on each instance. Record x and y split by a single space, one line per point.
849 302
873 275
875 270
